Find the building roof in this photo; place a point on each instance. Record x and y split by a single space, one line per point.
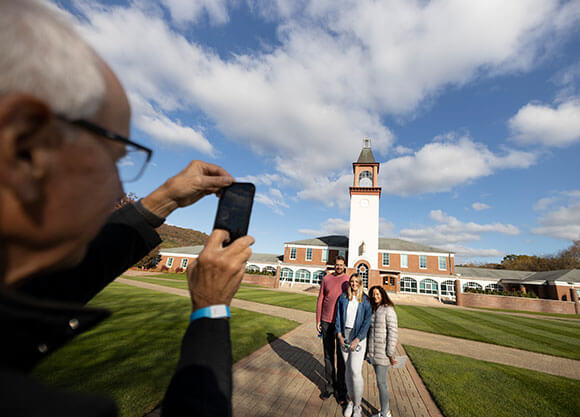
384 244
263 258
491 273
366 157
331 240
565 275
400 244
186 250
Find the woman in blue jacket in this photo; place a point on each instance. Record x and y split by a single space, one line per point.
353 318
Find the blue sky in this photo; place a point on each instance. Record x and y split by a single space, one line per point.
473 110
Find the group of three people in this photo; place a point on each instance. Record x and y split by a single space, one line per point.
358 326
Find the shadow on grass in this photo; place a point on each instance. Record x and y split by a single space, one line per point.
298 358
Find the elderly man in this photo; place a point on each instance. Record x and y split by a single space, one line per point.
64 122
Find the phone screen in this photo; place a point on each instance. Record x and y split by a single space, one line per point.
234 209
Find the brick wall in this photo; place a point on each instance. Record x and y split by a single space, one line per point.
267 281
517 303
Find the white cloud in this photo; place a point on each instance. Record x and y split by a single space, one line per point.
445 163
159 126
462 252
544 203
386 228
548 126
330 192
480 206
183 11
274 199
402 150
332 226
265 179
562 222
336 70
452 233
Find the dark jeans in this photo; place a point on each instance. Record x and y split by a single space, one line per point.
334 379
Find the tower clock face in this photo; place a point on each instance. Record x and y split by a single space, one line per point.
364 203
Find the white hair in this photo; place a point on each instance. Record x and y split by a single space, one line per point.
41 55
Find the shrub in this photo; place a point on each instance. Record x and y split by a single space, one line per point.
503 293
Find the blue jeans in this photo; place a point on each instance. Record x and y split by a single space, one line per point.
381 373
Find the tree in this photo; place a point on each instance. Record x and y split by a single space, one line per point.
150 260
126 199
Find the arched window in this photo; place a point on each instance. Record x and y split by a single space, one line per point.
428 286
448 287
317 277
270 270
472 285
363 271
252 268
408 285
365 179
302 275
494 287
286 273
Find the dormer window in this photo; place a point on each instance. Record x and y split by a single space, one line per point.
365 179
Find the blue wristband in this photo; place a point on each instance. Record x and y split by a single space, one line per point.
219 311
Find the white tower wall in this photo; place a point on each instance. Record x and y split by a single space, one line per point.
364 227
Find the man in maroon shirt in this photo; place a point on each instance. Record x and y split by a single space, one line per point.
332 286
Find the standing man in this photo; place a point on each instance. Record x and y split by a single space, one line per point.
332 286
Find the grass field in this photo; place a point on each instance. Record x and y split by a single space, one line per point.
254 293
553 337
131 356
536 313
464 387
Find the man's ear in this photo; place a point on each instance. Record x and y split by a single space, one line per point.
25 124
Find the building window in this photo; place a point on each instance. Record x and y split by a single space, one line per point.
365 179
392 281
286 273
342 253
386 259
363 271
184 263
317 277
404 261
494 287
269 270
442 263
472 285
448 287
302 275
408 285
169 262
428 286
309 254
292 253
324 255
423 261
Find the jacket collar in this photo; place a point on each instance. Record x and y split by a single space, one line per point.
32 328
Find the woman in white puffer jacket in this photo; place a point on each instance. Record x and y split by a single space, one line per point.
382 341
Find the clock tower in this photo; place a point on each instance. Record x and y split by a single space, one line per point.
363 246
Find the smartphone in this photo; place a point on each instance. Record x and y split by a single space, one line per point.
234 209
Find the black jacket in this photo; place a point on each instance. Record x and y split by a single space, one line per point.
47 311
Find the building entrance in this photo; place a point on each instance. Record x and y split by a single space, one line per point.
389 282
363 271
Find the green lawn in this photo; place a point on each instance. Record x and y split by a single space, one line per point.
537 313
465 387
553 337
256 294
132 355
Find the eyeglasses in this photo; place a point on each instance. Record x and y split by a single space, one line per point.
132 165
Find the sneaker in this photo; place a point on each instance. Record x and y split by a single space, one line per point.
380 414
348 409
357 412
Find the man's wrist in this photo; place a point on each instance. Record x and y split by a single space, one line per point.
159 204
218 311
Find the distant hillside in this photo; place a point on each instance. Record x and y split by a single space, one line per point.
174 236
